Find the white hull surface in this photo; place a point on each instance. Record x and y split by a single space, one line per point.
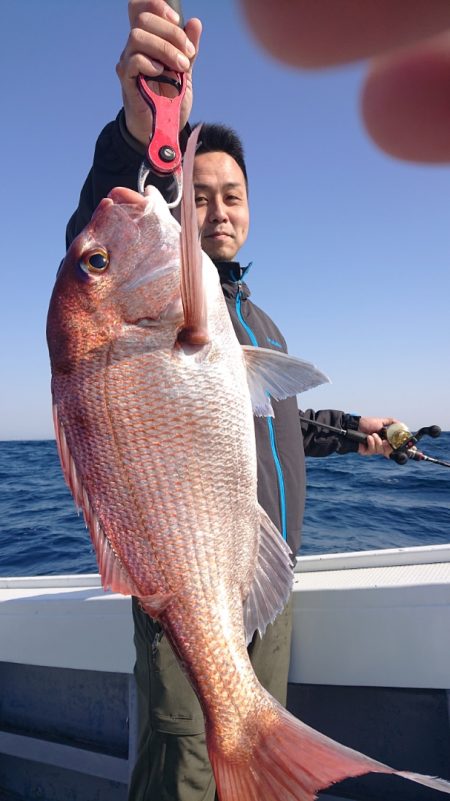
370 667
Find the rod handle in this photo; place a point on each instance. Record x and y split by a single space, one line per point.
356 436
176 5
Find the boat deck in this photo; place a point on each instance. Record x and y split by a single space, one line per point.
370 667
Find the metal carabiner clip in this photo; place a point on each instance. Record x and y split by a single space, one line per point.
163 153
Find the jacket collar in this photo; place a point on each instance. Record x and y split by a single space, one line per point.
232 275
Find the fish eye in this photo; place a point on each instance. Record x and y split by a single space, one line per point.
95 261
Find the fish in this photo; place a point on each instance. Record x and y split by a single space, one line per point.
154 402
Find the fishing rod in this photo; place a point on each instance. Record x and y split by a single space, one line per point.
401 440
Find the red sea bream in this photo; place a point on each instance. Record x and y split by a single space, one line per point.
153 406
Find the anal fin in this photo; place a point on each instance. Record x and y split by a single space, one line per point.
273 580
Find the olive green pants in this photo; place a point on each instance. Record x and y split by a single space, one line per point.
172 762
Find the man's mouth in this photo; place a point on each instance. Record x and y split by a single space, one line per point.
218 235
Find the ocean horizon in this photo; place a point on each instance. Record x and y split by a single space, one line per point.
353 503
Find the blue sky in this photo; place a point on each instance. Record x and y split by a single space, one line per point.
350 248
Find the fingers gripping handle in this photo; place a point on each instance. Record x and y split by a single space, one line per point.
176 5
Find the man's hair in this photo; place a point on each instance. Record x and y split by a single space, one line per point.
215 137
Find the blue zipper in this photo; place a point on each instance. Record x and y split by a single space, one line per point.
276 458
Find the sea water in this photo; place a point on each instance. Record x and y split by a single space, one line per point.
353 503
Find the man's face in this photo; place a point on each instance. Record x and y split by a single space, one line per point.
222 205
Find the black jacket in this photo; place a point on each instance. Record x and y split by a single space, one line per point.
282 441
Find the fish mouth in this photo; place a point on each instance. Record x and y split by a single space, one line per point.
133 205
147 322
171 315
137 207
121 195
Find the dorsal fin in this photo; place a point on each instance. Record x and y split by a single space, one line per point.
195 328
113 574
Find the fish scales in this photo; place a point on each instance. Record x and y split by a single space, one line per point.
168 479
154 424
177 486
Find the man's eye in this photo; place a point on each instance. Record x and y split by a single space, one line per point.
200 200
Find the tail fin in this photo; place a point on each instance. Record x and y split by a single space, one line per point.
293 763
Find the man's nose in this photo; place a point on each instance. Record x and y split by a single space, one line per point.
217 211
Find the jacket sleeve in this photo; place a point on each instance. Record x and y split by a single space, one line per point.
320 442
117 159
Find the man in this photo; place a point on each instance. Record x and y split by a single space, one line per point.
172 762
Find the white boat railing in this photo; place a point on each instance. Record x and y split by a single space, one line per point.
376 618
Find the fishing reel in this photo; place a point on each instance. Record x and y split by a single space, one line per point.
400 438
403 443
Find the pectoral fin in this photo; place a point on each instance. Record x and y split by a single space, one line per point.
279 375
